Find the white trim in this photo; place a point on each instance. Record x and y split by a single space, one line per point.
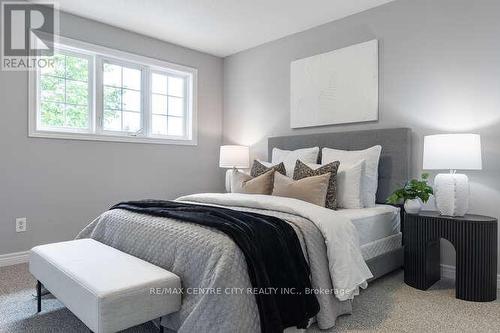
15 258
448 272
100 53
125 56
112 138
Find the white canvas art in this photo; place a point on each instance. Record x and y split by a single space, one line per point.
337 87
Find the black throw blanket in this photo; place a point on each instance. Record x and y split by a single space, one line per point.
272 251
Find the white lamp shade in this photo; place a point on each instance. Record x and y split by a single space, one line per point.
452 152
234 157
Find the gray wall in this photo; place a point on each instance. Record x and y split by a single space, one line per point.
439 72
61 185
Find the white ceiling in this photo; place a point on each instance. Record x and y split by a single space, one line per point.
219 27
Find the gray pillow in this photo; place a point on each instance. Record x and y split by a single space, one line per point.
302 170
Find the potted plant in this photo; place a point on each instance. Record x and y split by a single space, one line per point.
414 193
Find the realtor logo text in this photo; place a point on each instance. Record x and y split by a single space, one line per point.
28 32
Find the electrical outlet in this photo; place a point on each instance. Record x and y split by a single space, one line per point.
21 223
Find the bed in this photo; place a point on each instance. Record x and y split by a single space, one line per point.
380 237
394 170
208 259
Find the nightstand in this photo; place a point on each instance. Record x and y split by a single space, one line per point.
475 240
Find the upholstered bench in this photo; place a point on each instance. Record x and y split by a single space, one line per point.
108 290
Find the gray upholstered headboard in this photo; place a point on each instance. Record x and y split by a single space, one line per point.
394 165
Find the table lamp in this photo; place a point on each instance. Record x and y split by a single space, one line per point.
452 152
232 156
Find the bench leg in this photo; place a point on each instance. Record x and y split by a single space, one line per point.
162 329
39 296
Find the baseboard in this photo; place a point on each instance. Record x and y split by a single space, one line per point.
448 272
14 258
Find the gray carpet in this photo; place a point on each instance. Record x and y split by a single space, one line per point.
388 305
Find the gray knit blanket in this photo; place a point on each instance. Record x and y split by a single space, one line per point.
212 268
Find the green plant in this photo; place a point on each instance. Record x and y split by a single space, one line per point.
411 190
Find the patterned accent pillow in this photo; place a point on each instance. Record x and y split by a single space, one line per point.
258 168
302 170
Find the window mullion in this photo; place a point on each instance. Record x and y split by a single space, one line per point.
185 108
121 98
91 94
65 90
99 92
146 101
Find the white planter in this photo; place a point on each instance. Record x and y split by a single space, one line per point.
413 206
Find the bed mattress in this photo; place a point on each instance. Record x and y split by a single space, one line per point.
374 223
381 246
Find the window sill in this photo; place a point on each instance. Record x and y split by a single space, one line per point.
112 138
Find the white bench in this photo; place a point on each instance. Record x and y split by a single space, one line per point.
108 290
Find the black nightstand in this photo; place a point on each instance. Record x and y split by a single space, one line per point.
475 240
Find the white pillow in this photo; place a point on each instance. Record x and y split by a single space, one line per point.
267 164
349 185
349 189
290 157
371 156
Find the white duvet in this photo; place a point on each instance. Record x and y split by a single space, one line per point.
347 268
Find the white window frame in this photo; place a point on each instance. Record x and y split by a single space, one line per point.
95 132
90 97
144 91
187 98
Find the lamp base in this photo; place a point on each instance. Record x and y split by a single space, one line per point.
229 177
452 194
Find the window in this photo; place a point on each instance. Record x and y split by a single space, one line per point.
95 93
65 102
122 98
168 104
